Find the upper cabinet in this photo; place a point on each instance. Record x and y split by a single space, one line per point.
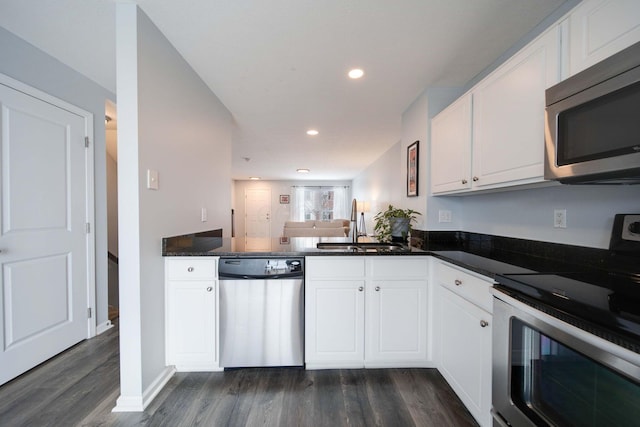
600 28
508 116
451 147
493 136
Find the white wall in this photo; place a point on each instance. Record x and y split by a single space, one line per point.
526 214
25 63
279 213
384 181
169 121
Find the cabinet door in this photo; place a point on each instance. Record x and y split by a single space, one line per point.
396 326
191 325
465 349
600 28
451 147
508 116
334 324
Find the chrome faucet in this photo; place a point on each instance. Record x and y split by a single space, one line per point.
354 221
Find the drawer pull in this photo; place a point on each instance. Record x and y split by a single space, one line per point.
209 289
377 288
484 323
361 288
458 282
190 269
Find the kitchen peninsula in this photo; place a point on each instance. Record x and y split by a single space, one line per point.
425 307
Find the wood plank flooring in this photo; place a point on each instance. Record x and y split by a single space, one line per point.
80 387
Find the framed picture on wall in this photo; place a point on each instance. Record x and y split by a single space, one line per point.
412 169
284 199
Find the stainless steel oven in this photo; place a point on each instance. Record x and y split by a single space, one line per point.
558 363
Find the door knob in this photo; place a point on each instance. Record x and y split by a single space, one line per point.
209 289
377 288
458 282
361 288
484 323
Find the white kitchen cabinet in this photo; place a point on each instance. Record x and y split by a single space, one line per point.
366 312
508 116
191 313
493 136
464 337
334 323
600 28
451 147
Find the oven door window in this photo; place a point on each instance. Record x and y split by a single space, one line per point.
553 384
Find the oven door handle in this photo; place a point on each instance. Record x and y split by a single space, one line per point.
498 420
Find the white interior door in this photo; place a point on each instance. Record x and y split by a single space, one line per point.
43 232
258 219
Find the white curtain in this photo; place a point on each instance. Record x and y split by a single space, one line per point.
297 204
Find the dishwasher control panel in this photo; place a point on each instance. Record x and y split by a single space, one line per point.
260 267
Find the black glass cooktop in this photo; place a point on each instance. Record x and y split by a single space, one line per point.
608 300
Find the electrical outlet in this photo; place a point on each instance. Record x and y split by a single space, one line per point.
560 218
444 216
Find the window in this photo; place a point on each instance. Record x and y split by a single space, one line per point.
319 203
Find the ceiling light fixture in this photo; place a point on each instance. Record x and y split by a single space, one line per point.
303 170
356 73
312 132
254 178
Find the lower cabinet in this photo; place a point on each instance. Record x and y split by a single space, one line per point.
366 312
464 342
191 314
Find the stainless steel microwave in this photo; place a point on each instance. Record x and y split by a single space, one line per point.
592 132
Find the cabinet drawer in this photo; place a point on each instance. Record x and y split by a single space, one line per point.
398 267
192 268
469 287
334 267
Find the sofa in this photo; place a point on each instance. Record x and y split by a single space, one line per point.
312 228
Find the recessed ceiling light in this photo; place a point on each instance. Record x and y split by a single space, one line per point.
254 178
312 132
303 170
356 73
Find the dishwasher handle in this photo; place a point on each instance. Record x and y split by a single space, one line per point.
261 276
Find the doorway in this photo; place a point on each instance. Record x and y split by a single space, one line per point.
257 219
111 137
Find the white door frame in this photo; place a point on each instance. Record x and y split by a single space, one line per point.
89 185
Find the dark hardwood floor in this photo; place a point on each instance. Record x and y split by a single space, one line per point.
80 387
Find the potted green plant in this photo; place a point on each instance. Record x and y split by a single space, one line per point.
394 224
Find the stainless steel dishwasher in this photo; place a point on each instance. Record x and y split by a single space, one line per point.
261 312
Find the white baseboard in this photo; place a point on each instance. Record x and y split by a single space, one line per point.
139 403
104 327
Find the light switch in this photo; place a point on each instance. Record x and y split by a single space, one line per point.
203 214
152 179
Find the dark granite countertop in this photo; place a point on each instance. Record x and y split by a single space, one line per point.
211 243
484 254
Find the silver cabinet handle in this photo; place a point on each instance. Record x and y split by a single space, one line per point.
464 181
209 289
458 282
190 269
377 288
361 288
484 323
475 178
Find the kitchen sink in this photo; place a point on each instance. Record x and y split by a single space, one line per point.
363 247
344 247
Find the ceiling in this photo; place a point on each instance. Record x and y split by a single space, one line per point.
281 66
